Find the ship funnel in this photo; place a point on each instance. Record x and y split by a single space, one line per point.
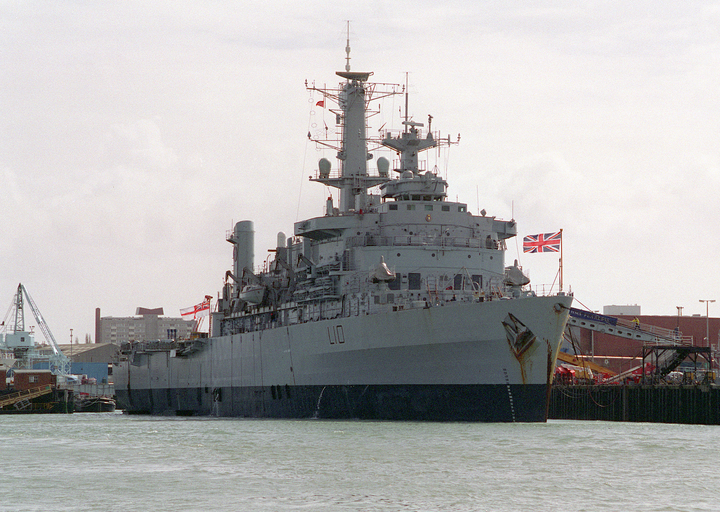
281 248
244 253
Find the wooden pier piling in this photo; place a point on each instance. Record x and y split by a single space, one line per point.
691 404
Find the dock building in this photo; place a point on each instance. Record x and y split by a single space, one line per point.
146 325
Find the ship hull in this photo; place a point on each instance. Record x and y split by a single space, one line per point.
485 403
481 361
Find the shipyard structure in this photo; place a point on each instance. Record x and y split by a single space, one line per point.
633 367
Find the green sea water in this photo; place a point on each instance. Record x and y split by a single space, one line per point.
115 462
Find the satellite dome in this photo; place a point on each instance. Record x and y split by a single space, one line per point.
383 165
324 165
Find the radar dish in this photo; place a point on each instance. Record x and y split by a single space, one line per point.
362 76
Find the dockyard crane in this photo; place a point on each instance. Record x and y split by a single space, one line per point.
21 342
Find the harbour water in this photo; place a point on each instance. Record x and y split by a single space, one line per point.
114 462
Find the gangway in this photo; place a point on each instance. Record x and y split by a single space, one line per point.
623 328
666 358
663 349
26 394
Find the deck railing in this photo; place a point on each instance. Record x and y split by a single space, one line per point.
419 241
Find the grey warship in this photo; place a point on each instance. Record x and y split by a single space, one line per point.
395 304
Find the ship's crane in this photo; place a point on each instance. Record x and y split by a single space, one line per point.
21 342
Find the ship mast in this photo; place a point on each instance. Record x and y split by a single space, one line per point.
353 154
347 48
409 145
352 98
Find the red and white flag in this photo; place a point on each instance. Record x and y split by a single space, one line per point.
198 310
543 242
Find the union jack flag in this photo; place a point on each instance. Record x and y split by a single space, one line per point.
544 242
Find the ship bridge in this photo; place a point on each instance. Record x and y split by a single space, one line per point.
415 187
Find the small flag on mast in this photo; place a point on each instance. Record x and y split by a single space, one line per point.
543 242
198 310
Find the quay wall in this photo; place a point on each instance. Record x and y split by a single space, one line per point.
691 404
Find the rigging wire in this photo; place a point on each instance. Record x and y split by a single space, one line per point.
311 99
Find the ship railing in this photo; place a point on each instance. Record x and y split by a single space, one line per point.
543 290
188 347
688 340
147 346
24 394
663 335
415 241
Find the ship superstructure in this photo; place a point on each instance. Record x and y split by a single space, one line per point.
394 304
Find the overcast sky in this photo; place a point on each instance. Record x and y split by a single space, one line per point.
134 134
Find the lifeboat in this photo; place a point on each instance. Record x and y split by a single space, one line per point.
253 293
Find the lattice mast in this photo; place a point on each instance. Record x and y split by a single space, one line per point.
352 97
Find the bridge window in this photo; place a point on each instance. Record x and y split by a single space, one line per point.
395 284
458 282
445 208
414 281
411 207
392 207
462 209
428 207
